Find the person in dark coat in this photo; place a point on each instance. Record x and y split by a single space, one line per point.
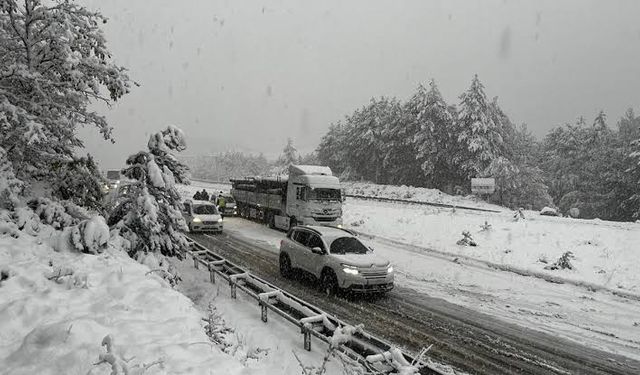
204 195
197 196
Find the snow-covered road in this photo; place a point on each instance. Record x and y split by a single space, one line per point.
406 234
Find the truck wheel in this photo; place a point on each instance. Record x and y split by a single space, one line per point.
329 283
285 265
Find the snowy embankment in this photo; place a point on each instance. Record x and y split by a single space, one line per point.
604 252
417 194
54 323
62 311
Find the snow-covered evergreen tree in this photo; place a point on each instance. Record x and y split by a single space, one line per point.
434 139
479 135
10 186
332 149
150 214
79 181
368 136
289 156
629 126
632 203
53 64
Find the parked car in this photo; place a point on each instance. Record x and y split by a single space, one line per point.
202 216
336 258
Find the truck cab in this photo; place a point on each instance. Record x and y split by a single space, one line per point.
314 196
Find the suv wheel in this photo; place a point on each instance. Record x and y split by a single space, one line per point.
285 265
329 283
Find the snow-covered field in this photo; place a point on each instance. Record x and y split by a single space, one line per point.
57 309
604 256
605 252
415 194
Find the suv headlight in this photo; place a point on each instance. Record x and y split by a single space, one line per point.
351 270
220 220
390 269
197 220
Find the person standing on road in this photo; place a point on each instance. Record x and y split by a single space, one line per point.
204 195
197 196
221 203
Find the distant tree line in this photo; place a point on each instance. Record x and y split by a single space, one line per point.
428 142
234 164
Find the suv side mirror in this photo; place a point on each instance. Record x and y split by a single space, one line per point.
317 250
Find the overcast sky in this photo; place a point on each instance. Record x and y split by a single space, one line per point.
245 75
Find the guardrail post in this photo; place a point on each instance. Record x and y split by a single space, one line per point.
263 313
232 286
195 261
306 331
212 273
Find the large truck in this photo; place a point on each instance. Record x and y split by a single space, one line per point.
309 195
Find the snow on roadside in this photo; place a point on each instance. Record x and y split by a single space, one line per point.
58 307
50 326
415 194
604 251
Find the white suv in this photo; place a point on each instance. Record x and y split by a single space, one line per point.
337 258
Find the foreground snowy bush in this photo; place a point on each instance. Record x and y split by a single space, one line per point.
57 307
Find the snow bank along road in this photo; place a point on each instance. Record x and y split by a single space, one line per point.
462 338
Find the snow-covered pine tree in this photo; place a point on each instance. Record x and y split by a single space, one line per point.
10 186
80 181
150 214
478 133
633 202
629 127
333 148
53 64
434 139
399 150
368 135
289 156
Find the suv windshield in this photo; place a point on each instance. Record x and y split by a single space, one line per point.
205 210
323 194
348 245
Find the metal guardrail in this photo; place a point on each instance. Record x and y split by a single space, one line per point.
424 203
371 352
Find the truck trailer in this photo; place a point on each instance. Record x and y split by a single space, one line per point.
309 195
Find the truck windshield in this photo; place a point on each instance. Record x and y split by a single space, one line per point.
113 175
323 194
205 210
347 245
